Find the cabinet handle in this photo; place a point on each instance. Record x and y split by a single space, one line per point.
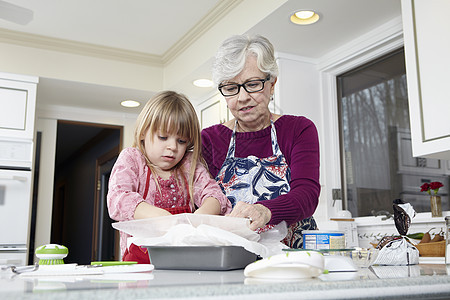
16 178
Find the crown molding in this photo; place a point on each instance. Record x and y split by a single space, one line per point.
217 13
86 49
220 10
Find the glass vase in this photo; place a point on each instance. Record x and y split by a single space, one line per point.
436 208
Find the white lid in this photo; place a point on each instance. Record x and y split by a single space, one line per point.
321 231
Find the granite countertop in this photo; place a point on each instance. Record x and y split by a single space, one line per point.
378 282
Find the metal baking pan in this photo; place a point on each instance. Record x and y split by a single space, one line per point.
208 258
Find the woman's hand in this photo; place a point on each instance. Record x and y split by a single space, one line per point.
258 214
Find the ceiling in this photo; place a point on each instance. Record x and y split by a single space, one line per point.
153 28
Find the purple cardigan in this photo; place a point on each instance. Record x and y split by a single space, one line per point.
298 141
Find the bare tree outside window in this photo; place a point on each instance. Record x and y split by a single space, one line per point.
376 156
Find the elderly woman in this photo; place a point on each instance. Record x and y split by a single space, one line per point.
267 164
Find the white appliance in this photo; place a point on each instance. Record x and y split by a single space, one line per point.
15 199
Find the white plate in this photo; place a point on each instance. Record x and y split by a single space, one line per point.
288 265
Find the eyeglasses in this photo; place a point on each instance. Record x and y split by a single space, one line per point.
251 86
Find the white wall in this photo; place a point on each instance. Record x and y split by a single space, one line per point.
298 85
45 185
298 93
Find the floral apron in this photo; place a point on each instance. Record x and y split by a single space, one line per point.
251 179
140 254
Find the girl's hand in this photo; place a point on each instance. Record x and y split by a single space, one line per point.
258 214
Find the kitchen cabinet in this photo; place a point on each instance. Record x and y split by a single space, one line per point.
213 111
426 29
17 105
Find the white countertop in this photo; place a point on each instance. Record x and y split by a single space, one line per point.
422 281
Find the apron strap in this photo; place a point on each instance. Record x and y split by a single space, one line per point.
232 145
147 183
273 134
188 202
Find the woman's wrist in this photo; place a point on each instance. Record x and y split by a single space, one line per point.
264 212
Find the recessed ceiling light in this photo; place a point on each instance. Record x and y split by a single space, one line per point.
130 103
203 83
304 17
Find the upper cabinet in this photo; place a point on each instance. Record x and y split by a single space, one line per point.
213 111
426 28
17 106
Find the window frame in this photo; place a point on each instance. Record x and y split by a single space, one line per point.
358 52
344 185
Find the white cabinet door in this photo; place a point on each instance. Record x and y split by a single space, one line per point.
17 107
213 111
15 203
426 29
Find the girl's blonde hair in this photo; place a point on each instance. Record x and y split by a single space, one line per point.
172 113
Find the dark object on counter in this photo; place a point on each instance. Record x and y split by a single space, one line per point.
386 240
205 258
401 218
399 251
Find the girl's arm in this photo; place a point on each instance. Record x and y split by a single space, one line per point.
206 190
210 206
123 193
124 199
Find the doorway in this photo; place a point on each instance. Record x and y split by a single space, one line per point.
82 151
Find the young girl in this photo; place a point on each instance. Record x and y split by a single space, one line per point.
163 173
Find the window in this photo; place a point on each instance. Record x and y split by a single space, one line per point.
376 158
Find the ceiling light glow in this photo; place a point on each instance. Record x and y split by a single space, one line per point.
304 14
203 83
304 17
130 103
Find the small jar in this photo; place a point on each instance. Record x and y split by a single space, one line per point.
447 240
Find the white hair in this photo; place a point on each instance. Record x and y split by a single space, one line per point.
232 54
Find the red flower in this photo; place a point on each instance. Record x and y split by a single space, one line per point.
425 187
436 185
